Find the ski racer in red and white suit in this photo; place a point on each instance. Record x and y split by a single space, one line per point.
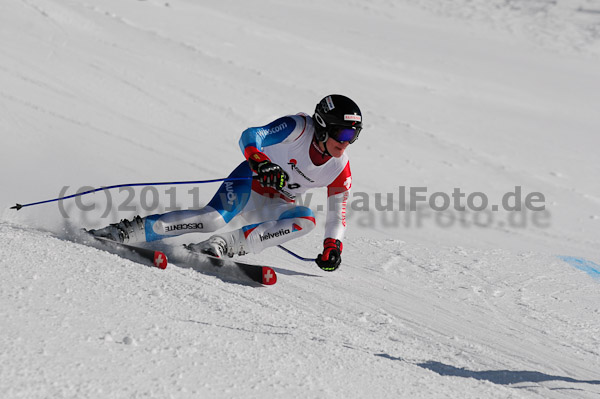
287 157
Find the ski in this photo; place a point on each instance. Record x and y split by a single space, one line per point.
157 258
264 275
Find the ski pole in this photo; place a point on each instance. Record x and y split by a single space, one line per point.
295 255
19 206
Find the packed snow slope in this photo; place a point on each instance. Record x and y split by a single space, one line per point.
491 98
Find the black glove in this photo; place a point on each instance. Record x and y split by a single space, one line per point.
331 257
271 175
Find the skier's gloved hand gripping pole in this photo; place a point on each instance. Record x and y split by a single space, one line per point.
331 258
271 175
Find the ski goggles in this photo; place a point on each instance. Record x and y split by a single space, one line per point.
343 133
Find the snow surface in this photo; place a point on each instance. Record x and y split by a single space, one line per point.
471 94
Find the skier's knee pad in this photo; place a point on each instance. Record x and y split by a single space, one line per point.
302 214
212 220
302 220
291 224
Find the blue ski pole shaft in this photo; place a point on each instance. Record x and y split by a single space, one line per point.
295 255
19 206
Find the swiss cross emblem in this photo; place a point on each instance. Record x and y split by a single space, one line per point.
160 260
348 182
269 276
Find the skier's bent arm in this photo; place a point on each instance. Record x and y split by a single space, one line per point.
282 130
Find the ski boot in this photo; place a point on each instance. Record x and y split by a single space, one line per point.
219 246
124 232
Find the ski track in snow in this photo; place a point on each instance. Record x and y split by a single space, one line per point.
567 26
78 308
157 90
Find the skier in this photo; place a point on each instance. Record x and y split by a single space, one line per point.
288 156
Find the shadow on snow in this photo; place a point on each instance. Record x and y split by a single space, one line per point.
501 377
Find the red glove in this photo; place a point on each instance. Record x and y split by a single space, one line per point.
331 257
